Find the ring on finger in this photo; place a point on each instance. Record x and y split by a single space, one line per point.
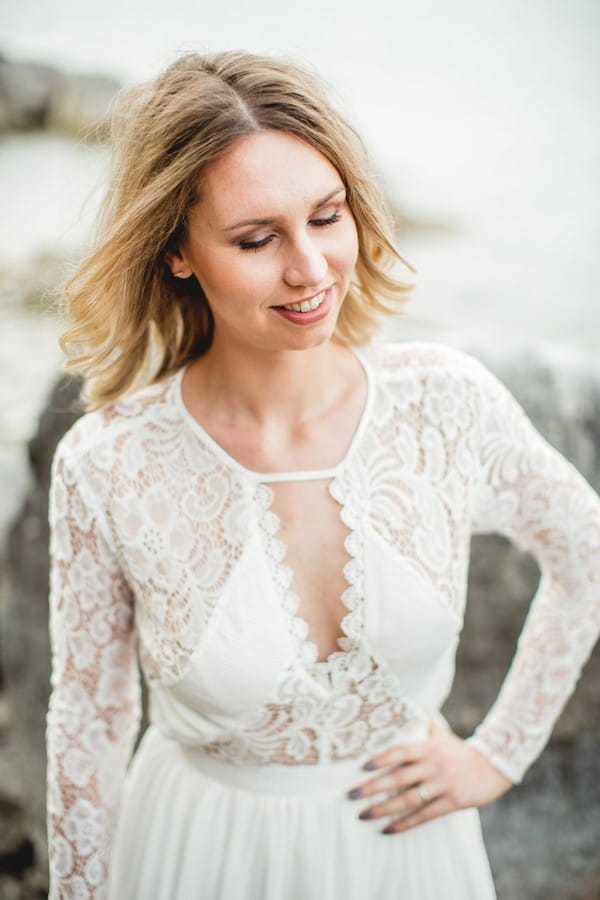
423 793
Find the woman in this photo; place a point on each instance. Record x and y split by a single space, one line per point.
279 516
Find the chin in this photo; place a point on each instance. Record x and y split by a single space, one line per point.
313 338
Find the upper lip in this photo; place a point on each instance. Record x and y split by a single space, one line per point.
305 299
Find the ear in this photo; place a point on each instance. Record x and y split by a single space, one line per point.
177 264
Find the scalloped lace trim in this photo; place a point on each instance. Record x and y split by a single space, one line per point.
351 625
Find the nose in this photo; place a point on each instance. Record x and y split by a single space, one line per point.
306 265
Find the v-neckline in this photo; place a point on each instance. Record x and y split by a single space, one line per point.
351 624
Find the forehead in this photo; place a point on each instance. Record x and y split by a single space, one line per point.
266 173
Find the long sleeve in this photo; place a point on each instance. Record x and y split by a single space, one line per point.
529 492
94 709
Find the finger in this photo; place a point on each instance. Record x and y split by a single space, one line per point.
391 780
406 803
439 807
399 755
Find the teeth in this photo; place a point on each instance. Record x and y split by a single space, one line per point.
307 305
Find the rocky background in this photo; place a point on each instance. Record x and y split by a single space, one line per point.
35 96
543 837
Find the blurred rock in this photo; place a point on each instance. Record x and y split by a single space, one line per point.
542 837
38 96
25 92
80 105
25 643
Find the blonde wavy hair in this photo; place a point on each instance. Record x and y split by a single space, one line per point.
131 320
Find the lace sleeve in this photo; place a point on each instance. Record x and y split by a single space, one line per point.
530 493
94 706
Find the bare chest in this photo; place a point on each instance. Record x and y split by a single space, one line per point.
313 534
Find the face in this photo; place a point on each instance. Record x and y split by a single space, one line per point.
272 243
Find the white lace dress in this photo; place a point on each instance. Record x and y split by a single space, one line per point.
238 789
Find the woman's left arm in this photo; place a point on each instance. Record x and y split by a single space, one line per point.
526 490
529 492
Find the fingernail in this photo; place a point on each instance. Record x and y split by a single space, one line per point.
369 766
367 814
354 793
388 830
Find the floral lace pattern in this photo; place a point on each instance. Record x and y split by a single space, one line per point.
150 523
361 712
95 706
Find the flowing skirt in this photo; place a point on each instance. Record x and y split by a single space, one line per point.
193 827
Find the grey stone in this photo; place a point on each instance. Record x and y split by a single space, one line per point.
25 92
80 104
25 660
37 96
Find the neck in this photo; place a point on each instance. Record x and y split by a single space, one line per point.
256 387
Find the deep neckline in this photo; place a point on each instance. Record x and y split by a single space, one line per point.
295 475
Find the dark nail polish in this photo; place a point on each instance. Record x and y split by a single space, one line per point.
369 766
354 793
367 814
388 830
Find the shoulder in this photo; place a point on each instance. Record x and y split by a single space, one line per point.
441 385
424 361
97 440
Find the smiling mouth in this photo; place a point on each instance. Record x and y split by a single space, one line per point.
306 305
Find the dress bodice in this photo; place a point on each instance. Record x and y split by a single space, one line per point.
253 691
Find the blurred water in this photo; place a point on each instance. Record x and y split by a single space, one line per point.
50 187
482 118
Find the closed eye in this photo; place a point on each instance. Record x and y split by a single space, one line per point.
328 221
257 245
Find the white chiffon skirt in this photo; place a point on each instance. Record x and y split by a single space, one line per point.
196 828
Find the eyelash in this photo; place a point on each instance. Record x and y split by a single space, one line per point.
258 245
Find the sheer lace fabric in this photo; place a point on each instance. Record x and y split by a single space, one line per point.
160 538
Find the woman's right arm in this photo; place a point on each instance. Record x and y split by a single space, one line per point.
94 709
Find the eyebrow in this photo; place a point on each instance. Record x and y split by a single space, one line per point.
271 220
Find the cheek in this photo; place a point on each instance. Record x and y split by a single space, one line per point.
234 278
241 286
